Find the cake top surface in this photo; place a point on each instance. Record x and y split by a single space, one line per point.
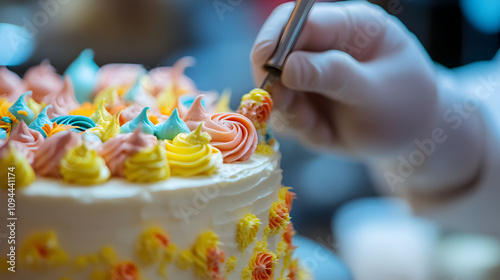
98 125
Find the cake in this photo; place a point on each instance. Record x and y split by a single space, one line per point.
118 173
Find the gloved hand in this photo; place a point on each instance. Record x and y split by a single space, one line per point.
357 79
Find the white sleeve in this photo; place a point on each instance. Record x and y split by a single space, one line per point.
474 207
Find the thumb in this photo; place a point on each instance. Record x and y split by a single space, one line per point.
333 73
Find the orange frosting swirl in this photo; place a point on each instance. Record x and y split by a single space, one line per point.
233 134
11 85
52 150
64 101
30 138
256 106
263 264
43 81
117 150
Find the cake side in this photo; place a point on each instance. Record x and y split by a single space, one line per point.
88 221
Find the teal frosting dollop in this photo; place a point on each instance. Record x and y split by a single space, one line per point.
135 91
21 110
3 133
141 120
171 127
81 122
41 120
83 74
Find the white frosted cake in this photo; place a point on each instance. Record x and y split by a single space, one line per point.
118 173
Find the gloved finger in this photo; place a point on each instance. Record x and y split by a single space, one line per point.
334 74
353 27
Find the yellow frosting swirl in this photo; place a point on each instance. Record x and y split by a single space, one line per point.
83 166
247 231
191 154
148 165
111 129
35 106
101 115
15 163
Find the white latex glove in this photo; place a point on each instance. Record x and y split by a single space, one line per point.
356 79
359 82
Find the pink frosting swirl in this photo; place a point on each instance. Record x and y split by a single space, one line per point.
233 134
116 151
20 147
195 114
11 86
30 138
52 150
118 74
43 81
64 101
162 77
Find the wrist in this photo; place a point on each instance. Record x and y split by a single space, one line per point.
448 154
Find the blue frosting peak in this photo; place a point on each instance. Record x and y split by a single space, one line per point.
83 74
171 127
3 133
41 120
21 110
142 121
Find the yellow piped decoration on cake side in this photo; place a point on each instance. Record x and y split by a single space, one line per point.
147 166
231 264
154 245
19 168
247 231
261 266
42 250
83 166
205 257
279 218
191 154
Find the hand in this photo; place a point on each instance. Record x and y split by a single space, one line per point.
357 79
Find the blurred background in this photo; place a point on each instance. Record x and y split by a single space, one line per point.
338 206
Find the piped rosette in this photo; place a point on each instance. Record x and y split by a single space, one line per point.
13 159
11 85
64 101
257 106
27 137
52 151
191 154
148 165
123 146
196 113
43 81
233 134
83 166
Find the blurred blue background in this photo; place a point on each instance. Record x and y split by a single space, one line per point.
338 206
